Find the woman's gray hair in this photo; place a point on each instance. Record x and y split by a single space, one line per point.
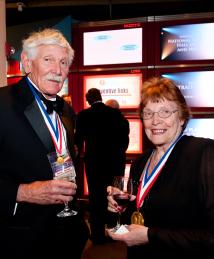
47 36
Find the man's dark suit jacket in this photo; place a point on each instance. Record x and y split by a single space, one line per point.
24 144
105 133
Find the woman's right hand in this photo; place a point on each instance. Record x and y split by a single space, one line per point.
112 204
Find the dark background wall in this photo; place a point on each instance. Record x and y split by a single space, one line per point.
97 10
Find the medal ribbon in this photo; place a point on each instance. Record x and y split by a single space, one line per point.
148 180
56 132
58 144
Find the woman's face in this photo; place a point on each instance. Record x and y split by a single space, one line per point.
162 131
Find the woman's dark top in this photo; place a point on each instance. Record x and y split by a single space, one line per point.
179 208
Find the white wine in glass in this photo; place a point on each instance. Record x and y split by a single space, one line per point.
63 169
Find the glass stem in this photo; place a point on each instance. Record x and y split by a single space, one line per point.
66 206
118 220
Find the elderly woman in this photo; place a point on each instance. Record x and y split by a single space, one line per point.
174 200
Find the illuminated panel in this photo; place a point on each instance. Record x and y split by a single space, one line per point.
197 87
187 42
109 47
64 89
127 170
13 68
85 185
125 88
135 137
202 127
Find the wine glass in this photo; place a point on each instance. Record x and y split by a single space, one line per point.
63 169
122 191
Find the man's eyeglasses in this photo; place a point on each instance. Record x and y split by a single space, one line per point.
163 114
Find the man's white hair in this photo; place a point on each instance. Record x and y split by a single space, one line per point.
47 36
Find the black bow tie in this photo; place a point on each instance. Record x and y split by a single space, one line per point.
53 105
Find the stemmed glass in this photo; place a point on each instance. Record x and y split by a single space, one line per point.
122 191
63 169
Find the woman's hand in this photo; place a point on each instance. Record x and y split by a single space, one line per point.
112 204
137 235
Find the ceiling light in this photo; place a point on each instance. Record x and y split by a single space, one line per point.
20 6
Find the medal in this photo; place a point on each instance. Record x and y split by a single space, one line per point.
60 160
137 218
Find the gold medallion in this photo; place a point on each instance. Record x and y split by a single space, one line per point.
137 218
60 160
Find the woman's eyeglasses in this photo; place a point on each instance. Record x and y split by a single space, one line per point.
163 114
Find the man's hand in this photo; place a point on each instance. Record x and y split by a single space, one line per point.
46 192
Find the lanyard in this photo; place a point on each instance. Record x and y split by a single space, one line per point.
148 180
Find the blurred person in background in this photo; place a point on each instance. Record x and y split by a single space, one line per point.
172 212
104 133
113 103
35 121
67 98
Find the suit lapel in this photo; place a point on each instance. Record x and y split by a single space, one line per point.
35 118
37 122
32 112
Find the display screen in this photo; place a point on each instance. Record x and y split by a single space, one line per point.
135 137
125 88
197 87
187 42
108 47
200 127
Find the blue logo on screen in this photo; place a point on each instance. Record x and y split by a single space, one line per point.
102 37
129 47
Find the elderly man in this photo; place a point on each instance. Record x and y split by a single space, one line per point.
35 122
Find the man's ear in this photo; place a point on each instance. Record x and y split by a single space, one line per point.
26 62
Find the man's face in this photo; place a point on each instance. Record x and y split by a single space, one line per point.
49 69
